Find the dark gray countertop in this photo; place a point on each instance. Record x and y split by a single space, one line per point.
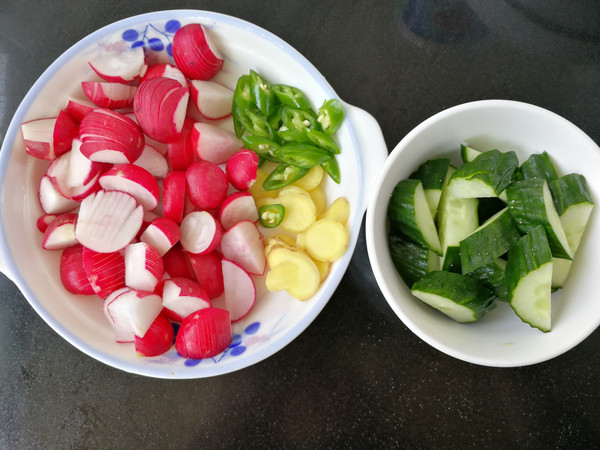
357 377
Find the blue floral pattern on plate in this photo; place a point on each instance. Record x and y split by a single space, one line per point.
153 37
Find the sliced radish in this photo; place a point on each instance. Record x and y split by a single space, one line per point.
200 232
177 263
195 54
240 290
64 178
153 161
238 206
72 274
158 338
162 234
52 200
143 266
160 106
108 136
204 334
167 71
206 185
131 312
212 99
242 169
108 221
81 171
214 144
49 138
160 147
243 245
79 108
44 220
105 271
174 186
225 123
109 95
208 271
181 152
134 180
60 232
120 67
182 296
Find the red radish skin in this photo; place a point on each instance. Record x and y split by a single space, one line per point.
134 180
167 71
181 297
105 271
160 105
131 313
162 234
208 272
52 200
174 189
240 290
60 233
108 221
206 185
212 99
109 95
144 266
111 137
159 146
237 207
243 245
200 232
153 161
79 108
195 54
214 144
72 274
242 169
49 138
44 220
120 67
158 339
181 153
204 334
177 263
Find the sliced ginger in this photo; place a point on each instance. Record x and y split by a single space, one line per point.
293 271
300 211
311 180
324 240
318 197
339 210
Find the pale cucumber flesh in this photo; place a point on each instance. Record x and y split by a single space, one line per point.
531 299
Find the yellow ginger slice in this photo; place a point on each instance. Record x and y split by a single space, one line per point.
339 210
325 240
311 180
300 212
319 199
293 271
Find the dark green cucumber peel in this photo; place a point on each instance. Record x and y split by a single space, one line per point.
538 165
412 261
493 276
569 190
432 173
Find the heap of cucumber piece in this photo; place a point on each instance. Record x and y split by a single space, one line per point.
491 229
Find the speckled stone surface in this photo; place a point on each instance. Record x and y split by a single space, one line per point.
357 377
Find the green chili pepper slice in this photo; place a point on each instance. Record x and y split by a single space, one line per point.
271 216
242 95
258 125
299 119
331 115
287 135
264 97
322 140
332 168
283 175
291 96
263 147
302 155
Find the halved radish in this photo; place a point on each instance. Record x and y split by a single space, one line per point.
153 161
72 274
79 108
240 290
208 271
174 187
160 105
52 200
200 232
214 144
225 123
44 220
177 263
60 232
131 313
162 234
134 180
108 221
204 334
158 339
49 138
108 136
105 271
212 99
120 67
242 169
238 206
167 71
109 95
206 185
62 176
180 153
160 147
81 171
182 296
143 266
195 54
243 245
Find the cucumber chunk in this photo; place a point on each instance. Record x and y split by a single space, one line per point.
485 176
468 154
530 203
412 261
450 261
489 241
432 174
538 165
409 213
529 279
462 298
493 276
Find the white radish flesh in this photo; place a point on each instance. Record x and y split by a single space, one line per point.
134 180
214 144
109 95
120 67
162 234
60 232
238 206
52 200
243 245
49 138
143 266
200 232
240 290
131 313
212 99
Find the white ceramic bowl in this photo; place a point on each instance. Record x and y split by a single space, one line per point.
499 339
277 318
